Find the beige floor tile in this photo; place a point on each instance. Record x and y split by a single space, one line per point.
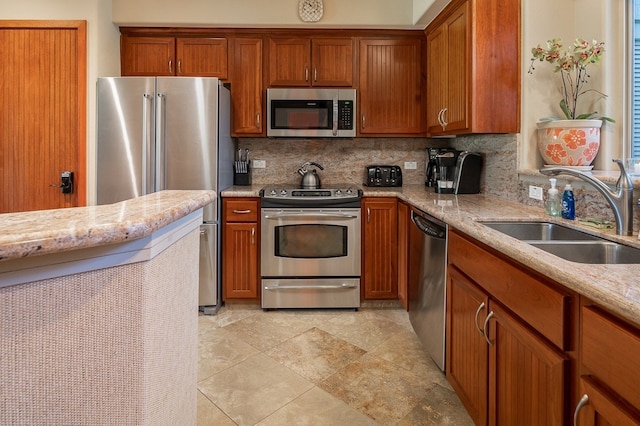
364 329
253 389
377 388
315 354
440 406
220 350
317 408
210 415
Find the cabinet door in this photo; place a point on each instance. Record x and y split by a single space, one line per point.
390 93
380 248
404 222
332 62
246 87
240 260
467 351
289 62
436 78
147 56
527 375
447 74
457 76
602 408
202 57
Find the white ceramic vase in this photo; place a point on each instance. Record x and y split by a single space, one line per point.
569 142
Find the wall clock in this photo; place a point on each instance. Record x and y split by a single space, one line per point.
310 10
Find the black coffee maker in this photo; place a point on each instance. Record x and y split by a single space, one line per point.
446 160
431 177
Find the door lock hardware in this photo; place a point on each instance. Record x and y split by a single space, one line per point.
66 182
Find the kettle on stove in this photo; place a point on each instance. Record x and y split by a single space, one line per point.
310 178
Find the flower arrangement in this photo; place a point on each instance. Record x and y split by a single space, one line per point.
572 65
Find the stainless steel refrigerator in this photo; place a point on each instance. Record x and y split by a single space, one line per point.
156 133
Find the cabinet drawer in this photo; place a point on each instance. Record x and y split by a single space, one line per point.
541 306
610 352
241 210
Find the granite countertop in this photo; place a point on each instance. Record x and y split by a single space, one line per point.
53 231
616 287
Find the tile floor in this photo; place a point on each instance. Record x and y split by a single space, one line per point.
319 367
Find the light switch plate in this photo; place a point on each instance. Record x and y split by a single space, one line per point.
410 165
535 192
259 164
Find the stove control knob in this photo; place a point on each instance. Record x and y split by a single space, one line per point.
273 193
338 192
349 191
283 192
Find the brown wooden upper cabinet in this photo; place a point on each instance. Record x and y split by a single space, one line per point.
473 68
302 62
246 87
390 96
180 56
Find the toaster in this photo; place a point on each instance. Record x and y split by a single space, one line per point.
375 175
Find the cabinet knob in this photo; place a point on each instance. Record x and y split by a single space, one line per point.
481 307
179 66
258 121
241 211
363 120
315 73
253 236
306 73
170 66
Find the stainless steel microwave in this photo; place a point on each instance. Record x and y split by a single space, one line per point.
308 113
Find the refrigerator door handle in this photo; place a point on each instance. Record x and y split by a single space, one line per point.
146 174
160 143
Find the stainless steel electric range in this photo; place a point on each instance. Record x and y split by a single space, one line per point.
310 249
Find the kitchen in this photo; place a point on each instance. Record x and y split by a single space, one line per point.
506 155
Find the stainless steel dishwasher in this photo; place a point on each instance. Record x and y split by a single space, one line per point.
427 282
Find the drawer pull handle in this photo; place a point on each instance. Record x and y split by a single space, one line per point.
481 307
241 211
581 404
486 326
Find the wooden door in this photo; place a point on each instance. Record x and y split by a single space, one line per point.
246 86
404 223
467 352
604 408
390 87
42 113
332 62
240 260
527 376
148 56
380 248
289 62
202 57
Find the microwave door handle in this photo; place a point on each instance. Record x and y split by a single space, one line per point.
335 116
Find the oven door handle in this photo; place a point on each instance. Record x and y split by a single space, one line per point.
309 287
311 215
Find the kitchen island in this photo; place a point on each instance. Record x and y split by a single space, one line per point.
615 287
99 312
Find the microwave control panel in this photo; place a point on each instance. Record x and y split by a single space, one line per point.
345 115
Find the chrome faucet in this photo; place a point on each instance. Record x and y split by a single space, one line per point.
620 200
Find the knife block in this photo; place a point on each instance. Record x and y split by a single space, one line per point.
242 174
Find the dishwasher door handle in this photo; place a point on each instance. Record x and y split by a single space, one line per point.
428 227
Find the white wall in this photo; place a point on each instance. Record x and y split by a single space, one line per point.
103 50
588 19
263 13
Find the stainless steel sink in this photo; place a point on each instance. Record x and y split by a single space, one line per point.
594 252
540 231
569 244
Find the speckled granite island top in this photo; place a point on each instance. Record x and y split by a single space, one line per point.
616 287
53 231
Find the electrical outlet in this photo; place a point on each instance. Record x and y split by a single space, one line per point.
535 192
410 165
259 164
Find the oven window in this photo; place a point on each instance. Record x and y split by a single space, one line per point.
310 241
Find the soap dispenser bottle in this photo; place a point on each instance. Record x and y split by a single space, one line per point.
568 203
553 206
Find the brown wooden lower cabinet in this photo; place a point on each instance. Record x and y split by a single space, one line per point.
404 223
380 247
504 371
240 248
